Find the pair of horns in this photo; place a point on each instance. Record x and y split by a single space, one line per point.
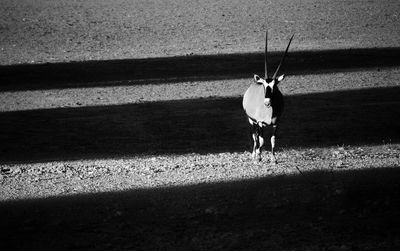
283 58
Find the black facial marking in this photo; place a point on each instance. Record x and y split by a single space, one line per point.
268 92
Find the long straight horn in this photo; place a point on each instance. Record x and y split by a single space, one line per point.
266 52
283 58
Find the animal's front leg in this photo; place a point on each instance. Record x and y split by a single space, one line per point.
261 143
253 153
273 159
256 147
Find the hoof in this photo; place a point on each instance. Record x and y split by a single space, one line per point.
256 161
256 157
273 160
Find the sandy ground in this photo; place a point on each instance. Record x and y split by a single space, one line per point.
96 156
56 31
166 166
138 92
338 198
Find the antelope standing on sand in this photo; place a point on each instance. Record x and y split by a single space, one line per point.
263 104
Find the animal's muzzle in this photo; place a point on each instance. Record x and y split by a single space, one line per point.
267 102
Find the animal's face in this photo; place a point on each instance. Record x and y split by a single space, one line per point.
270 85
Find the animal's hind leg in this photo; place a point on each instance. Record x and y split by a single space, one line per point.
253 140
273 159
261 142
255 132
258 141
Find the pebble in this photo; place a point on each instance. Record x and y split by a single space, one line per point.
339 164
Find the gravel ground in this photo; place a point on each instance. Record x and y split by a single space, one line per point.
40 180
338 198
59 31
88 183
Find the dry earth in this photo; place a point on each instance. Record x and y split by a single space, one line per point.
128 168
58 31
113 154
337 198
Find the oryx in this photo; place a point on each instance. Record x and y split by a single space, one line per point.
263 104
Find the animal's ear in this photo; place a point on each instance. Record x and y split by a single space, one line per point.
256 78
281 77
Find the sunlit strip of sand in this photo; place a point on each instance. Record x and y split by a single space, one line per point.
131 92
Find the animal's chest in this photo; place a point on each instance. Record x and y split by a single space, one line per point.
253 104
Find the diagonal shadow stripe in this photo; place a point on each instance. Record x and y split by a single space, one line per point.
368 116
189 68
255 213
